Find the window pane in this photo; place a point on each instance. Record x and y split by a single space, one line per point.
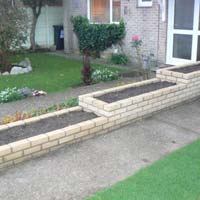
116 10
184 14
182 46
100 10
198 49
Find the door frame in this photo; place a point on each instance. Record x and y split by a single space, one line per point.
171 31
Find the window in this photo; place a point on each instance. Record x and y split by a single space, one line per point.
104 11
116 10
145 3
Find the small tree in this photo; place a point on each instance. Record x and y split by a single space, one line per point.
13 29
95 38
36 7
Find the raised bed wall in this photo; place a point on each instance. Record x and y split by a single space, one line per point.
111 115
19 151
134 107
191 80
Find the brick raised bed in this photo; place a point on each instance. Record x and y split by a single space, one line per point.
111 115
191 80
19 151
170 74
133 107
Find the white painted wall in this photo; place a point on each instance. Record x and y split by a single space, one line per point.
44 31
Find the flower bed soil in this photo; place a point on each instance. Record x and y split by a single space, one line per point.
134 91
187 70
46 125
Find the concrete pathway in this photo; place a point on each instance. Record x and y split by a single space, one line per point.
79 170
56 98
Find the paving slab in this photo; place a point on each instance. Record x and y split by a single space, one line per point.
183 116
79 170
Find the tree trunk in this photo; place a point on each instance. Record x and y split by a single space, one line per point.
4 61
32 34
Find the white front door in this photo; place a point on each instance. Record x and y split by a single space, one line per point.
183 45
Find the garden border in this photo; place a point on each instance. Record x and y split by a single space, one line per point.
21 150
110 116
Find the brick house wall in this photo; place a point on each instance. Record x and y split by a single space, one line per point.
145 22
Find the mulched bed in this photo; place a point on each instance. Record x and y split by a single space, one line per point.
188 69
44 126
134 91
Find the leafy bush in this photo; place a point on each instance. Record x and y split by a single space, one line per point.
105 75
119 59
10 94
95 38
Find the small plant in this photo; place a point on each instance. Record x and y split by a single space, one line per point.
10 94
137 45
33 113
72 102
119 59
104 75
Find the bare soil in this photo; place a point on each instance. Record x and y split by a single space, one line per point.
44 126
188 69
134 91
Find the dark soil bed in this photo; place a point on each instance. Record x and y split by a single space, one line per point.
134 91
44 126
188 69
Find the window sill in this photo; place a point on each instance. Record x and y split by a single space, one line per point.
105 23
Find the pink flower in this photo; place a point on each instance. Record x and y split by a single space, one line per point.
135 38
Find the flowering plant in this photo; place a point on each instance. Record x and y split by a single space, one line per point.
104 75
137 45
136 42
10 94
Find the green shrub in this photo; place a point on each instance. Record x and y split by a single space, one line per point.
95 38
119 59
104 75
72 102
10 94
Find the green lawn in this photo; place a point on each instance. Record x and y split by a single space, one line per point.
175 177
50 73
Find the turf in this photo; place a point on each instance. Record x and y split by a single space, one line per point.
175 177
51 73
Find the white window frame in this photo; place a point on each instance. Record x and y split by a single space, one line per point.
195 33
141 3
111 12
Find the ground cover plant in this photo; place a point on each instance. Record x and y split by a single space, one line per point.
174 177
119 59
10 94
33 113
105 75
50 73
